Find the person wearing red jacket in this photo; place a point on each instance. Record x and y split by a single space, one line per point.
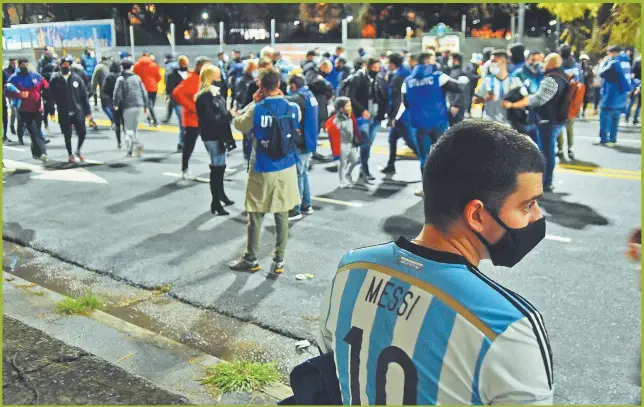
184 95
148 70
30 86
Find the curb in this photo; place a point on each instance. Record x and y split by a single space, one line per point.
278 391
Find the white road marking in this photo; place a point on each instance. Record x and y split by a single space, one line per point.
73 175
336 202
19 165
559 238
175 175
14 148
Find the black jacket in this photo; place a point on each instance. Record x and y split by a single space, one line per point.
459 99
107 88
323 92
361 91
395 82
300 101
214 118
240 89
70 96
174 79
552 111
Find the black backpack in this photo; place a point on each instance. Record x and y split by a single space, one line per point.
345 86
281 135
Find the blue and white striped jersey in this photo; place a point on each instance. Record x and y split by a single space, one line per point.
411 325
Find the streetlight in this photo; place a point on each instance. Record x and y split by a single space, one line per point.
40 17
204 15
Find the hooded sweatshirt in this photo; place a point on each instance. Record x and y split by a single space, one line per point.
149 72
616 82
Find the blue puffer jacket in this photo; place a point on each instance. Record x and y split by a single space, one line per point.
89 63
616 82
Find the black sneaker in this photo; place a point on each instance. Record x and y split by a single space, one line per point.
7 140
308 210
571 155
548 188
179 148
244 265
389 169
13 130
294 214
560 154
47 141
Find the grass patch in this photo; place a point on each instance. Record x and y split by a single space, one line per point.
240 376
163 288
80 305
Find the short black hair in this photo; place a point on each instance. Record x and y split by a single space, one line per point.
297 80
475 159
236 51
270 79
535 52
371 61
310 53
396 59
358 63
326 55
23 61
423 57
340 102
344 61
220 54
500 53
614 48
126 64
457 55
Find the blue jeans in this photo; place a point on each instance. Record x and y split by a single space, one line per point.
634 99
608 124
426 137
303 178
217 153
368 130
548 134
177 111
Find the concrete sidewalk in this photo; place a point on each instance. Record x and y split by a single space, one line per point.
39 369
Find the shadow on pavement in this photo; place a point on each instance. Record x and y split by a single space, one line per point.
409 224
570 214
628 149
160 192
16 232
591 166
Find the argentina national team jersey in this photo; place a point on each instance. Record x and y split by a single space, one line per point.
411 325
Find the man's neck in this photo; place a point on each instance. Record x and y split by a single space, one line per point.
502 75
456 243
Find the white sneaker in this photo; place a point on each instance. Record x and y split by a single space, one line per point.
43 158
188 176
419 193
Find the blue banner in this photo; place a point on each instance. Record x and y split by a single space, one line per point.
73 34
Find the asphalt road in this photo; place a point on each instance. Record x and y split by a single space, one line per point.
135 220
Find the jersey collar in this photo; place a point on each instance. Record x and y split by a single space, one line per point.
431 254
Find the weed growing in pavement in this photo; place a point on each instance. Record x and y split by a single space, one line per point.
81 305
240 376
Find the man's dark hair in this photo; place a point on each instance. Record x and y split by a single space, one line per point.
344 61
475 159
404 52
613 48
220 54
236 51
423 57
12 59
358 63
371 61
126 64
487 53
533 53
297 80
565 52
23 61
340 102
396 59
500 53
270 79
115 67
326 55
310 53
457 56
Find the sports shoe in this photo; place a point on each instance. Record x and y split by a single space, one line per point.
308 210
419 193
389 169
294 214
71 159
187 176
571 155
13 130
43 158
179 148
277 267
80 156
139 151
610 144
244 265
548 188
560 154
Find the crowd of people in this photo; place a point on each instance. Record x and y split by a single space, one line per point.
417 96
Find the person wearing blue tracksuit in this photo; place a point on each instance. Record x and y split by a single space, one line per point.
531 75
302 96
398 128
424 96
615 71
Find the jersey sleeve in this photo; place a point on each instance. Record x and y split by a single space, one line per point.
517 368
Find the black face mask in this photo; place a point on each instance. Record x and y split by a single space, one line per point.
516 243
64 70
24 70
372 74
183 69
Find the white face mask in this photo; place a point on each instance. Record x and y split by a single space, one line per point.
255 74
494 69
450 63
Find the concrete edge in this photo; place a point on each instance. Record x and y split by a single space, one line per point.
278 391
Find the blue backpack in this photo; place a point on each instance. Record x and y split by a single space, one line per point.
280 137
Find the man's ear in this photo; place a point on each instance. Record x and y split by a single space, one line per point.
473 215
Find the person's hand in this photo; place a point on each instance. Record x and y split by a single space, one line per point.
453 110
24 95
366 115
257 96
637 91
116 108
89 117
507 105
52 117
392 123
489 97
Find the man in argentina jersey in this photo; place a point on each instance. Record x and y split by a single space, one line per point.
416 322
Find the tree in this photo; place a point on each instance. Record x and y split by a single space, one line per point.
594 26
